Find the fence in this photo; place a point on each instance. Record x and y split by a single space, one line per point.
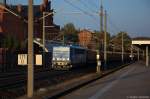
9 60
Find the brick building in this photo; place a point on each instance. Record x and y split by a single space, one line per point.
87 39
18 28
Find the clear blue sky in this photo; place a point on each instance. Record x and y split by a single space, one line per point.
132 16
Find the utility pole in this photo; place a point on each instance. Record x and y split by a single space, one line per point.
101 30
143 54
131 52
63 38
122 55
147 56
43 39
45 14
105 39
43 31
138 52
30 50
101 17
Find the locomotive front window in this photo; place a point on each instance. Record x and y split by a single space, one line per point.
61 54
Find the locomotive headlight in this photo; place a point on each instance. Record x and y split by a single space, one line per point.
67 59
53 59
58 58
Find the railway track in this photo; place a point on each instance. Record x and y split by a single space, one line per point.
8 81
11 84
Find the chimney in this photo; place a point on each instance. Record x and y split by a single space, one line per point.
45 2
19 8
41 8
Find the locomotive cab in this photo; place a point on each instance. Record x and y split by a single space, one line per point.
61 58
67 57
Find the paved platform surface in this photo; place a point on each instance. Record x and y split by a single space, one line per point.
131 82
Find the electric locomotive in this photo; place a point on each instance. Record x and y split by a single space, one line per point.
66 57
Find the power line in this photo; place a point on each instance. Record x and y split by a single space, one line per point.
113 25
93 4
83 3
85 12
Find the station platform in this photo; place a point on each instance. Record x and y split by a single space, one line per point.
131 82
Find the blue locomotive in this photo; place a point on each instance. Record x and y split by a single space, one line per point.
67 57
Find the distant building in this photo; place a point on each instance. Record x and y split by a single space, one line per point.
3 2
87 39
12 25
17 27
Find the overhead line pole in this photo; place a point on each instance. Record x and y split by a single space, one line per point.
122 55
101 17
43 31
105 38
147 56
43 39
131 52
138 52
101 30
30 82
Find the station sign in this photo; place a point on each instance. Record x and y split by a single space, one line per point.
38 59
23 59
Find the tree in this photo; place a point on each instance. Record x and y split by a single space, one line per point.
10 42
116 40
70 33
69 28
100 39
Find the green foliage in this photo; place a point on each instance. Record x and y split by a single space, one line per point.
10 42
70 33
100 39
114 41
117 40
69 28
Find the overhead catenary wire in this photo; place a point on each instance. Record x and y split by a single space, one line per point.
92 3
85 5
12 12
113 24
85 12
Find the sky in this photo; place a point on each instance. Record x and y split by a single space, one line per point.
132 16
